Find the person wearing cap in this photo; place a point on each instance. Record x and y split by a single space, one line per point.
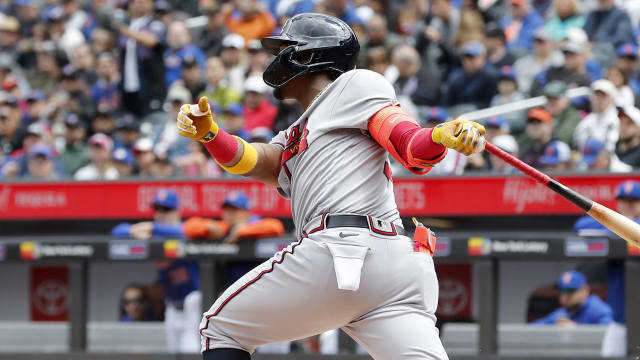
36 103
377 34
76 153
596 157
624 94
234 121
508 93
627 203
192 76
9 36
520 26
602 123
180 47
127 131
628 146
573 72
418 84
107 91
506 143
217 88
257 110
99 167
475 84
627 61
565 116
40 164
539 132
142 63
544 55
123 161
179 278
556 157
248 19
28 14
11 129
233 48
257 59
495 41
143 153
567 16
609 24
103 121
164 140
577 305
210 38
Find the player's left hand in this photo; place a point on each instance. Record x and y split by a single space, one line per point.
464 136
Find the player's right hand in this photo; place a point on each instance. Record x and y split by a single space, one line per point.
196 121
464 136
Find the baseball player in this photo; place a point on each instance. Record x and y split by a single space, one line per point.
352 267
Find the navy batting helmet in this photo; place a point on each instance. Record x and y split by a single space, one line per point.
314 42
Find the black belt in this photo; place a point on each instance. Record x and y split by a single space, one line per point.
359 221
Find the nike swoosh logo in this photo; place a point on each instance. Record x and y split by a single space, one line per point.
343 235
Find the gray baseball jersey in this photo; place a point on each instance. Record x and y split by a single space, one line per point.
367 281
329 163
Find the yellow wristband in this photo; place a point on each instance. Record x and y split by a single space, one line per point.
247 161
211 134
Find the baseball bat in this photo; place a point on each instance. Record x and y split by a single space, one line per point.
618 223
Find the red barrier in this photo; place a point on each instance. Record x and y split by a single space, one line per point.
419 196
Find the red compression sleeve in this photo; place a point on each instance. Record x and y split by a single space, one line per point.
223 147
422 146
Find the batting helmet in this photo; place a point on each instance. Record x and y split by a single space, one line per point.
314 42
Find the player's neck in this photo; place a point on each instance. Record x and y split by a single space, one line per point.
316 85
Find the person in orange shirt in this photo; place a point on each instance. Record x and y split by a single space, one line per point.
237 223
249 19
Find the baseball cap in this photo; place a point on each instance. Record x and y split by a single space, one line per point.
54 13
629 190
42 150
591 150
604 86
571 280
540 114
162 6
437 114
473 48
497 121
101 140
255 45
237 199
189 61
35 95
9 83
233 41
234 108
166 198
542 34
493 30
555 89
73 120
506 72
507 143
127 122
35 129
255 84
628 50
631 112
573 47
143 145
178 93
123 155
556 152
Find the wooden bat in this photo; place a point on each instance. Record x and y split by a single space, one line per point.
619 224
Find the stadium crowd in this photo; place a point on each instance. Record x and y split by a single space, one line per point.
91 89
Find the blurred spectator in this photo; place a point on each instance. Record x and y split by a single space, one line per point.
377 59
28 13
496 126
10 36
76 153
234 122
471 24
258 59
603 123
11 131
210 39
508 93
521 25
624 94
123 161
47 70
609 24
76 92
103 122
84 62
247 19
167 140
577 306
495 42
127 131
192 78
258 111
180 48
475 84
628 146
453 162
557 157
543 56
345 10
539 131
163 167
568 16
142 44
628 62
508 144
99 167
596 157
65 37
378 35
198 163
565 116
135 304
217 89
142 151
180 278
232 58
627 204
422 87
102 41
76 17
36 103
573 72
107 92
40 163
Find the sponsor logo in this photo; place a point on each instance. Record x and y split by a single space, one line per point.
453 297
478 246
173 249
633 250
443 247
344 235
123 250
586 247
31 250
50 297
176 249
2 252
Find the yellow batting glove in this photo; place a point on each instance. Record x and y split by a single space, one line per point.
464 136
196 121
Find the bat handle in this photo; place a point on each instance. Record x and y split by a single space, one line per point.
518 164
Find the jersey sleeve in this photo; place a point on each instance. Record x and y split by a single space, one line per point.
279 139
361 96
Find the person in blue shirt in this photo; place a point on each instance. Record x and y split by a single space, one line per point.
628 204
180 48
180 279
521 25
577 305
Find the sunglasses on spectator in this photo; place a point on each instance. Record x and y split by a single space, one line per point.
137 300
162 208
